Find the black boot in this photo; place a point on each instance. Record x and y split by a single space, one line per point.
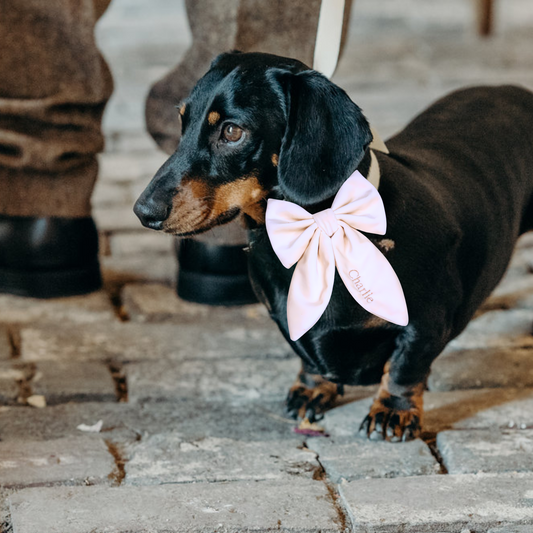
48 257
213 274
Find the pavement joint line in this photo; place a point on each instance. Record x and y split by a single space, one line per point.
113 290
7 525
431 442
15 344
25 385
320 474
116 368
119 473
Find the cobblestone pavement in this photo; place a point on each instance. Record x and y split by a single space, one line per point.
167 416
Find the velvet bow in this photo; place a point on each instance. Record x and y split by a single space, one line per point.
330 239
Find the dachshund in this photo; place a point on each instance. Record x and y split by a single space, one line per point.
457 188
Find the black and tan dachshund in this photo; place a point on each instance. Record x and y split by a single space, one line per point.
457 187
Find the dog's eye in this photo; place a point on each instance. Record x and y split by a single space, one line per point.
232 133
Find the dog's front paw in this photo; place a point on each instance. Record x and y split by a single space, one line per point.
394 417
310 396
394 425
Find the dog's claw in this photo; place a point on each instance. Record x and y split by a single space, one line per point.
307 401
375 435
292 413
311 415
394 417
390 425
363 428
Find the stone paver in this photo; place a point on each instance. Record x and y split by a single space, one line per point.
170 458
479 409
344 421
9 390
511 529
193 419
349 458
515 293
483 450
148 267
521 266
10 376
137 342
95 307
65 381
155 302
69 461
496 329
5 344
434 504
297 505
482 368
525 241
229 380
5 521
137 242
61 421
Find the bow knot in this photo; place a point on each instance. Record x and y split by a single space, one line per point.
329 240
327 221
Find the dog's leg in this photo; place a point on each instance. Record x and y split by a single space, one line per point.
397 411
311 395
396 414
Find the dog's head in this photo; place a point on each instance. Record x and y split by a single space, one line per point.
254 124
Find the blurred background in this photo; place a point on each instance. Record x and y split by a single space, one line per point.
400 56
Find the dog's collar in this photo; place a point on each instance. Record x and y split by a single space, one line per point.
377 145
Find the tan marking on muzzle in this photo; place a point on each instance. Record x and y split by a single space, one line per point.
196 206
213 118
190 207
245 193
182 109
275 159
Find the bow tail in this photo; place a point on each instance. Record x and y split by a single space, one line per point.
369 277
311 286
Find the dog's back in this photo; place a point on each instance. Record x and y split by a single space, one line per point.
472 152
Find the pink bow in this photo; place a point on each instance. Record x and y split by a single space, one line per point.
329 239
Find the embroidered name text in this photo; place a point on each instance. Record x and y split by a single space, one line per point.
358 284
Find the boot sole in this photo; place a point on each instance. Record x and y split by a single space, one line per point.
51 284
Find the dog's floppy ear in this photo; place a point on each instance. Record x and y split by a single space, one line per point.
325 138
221 57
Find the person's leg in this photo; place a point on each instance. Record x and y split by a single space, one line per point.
286 27
54 85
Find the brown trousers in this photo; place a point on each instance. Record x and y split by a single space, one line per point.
54 85
281 27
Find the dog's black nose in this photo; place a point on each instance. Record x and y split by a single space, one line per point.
151 213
